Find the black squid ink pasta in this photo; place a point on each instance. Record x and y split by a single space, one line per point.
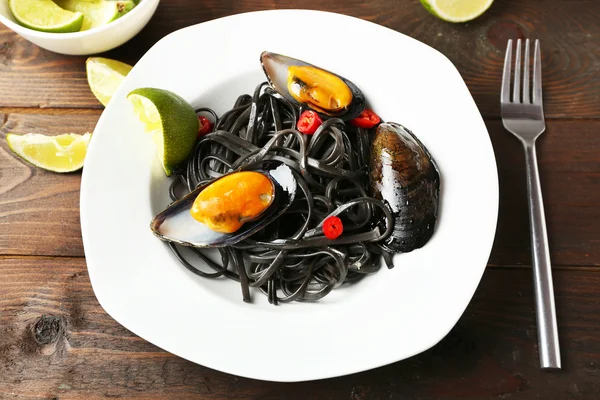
290 259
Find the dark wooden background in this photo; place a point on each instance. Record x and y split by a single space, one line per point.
56 342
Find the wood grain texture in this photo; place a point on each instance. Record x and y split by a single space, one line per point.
571 54
39 211
570 177
57 343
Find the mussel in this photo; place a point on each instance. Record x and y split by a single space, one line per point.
313 87
228 209
405 176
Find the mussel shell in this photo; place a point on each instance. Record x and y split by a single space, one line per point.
406 178
175 223
275 67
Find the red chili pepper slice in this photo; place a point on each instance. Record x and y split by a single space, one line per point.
205 126
308 122
333 227
366 119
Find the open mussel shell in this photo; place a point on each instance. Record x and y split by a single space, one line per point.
177 225
405 176
313 87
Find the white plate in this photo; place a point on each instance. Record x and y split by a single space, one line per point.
387 317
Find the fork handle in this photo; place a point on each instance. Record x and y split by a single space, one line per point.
549 350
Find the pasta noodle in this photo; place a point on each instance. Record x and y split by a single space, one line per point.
290 259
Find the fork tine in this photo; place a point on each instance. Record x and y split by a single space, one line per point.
526 98
517 89
505 93
537 74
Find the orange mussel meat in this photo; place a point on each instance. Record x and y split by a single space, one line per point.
228 203
313 87
322 90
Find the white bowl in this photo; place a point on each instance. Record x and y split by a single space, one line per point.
93 41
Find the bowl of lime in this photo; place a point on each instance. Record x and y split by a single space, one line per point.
77 27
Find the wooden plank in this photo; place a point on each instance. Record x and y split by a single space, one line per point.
39 210
569 173
56 342
570 55
33 77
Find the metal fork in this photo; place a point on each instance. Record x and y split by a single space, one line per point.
523 116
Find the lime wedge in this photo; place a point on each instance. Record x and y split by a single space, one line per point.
45 16
105 76
457 10
62 153
97 12
172 122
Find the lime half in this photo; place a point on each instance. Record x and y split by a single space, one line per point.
62 153
457 10
97 12
172 122
45 16
105 76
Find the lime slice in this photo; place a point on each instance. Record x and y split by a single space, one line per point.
105 76
97 12
45 16
457 10
172 122
62 153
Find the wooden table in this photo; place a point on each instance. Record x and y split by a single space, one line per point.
56 342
